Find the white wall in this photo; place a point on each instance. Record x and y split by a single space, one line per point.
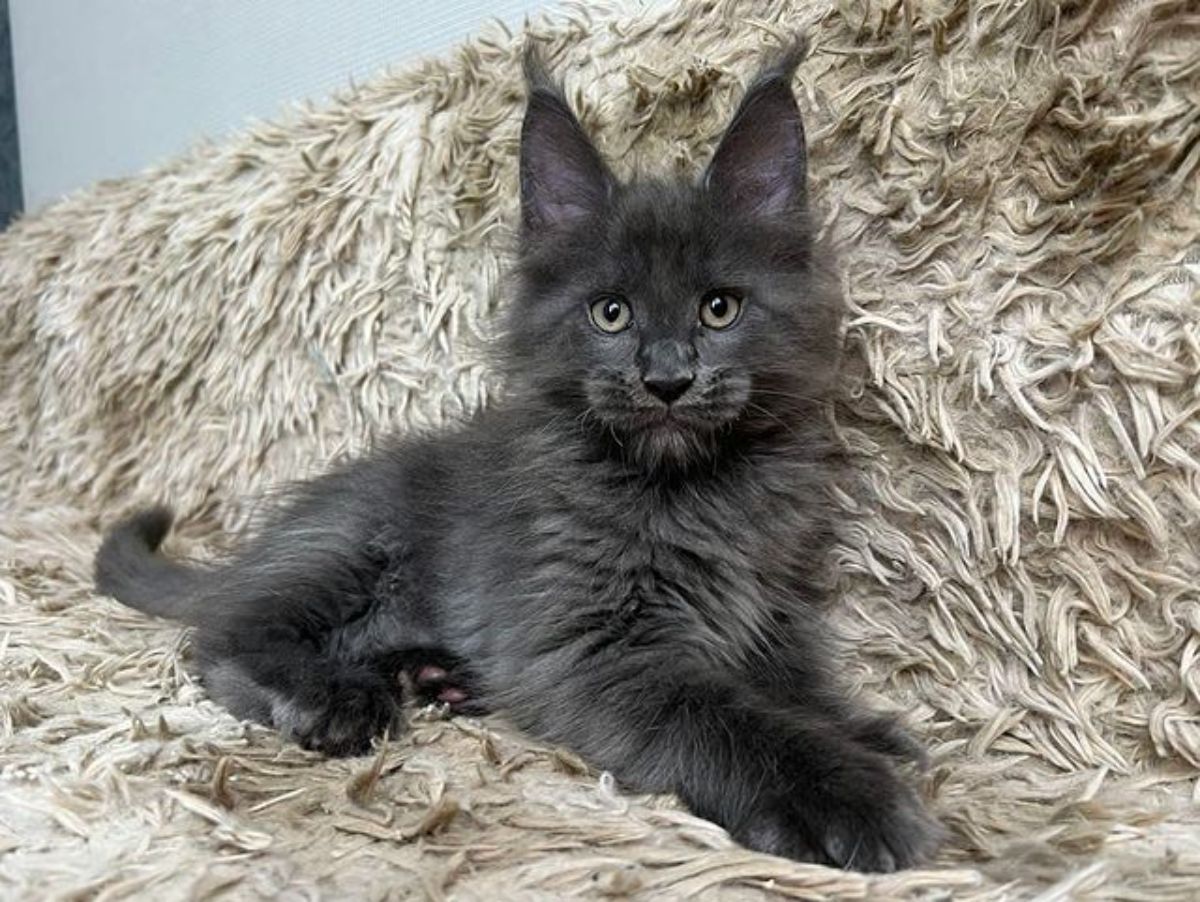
107 87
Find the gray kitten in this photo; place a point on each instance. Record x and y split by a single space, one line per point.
626 555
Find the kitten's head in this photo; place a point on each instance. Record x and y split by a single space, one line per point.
670 318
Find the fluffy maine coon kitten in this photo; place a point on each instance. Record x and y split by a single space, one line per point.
625 556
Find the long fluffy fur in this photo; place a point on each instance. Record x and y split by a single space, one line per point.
637 576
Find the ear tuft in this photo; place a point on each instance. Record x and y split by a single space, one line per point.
537 74
760 167
786 61
563 178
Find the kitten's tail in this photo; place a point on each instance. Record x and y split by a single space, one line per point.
130 569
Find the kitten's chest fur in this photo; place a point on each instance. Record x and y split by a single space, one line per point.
717 561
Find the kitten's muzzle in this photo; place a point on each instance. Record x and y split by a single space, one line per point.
668 388
667 369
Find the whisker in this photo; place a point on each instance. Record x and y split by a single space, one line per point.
782 422
791 396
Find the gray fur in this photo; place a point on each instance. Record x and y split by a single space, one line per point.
638 580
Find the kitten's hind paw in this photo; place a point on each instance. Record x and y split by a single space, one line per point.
446 682
340 718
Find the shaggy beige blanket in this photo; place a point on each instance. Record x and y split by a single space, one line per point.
1014 188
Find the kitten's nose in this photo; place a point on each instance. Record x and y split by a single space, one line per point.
666 369
667 386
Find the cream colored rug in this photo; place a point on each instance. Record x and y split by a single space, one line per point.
1015 189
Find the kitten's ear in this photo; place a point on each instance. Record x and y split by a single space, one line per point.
760 167
563 178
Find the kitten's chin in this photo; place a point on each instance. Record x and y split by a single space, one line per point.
666 438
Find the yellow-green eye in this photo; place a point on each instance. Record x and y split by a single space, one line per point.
611 314
720 309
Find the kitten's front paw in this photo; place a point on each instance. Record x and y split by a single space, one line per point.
857 815
341 717
883 734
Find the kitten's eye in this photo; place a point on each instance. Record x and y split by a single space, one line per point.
720 309
611 314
